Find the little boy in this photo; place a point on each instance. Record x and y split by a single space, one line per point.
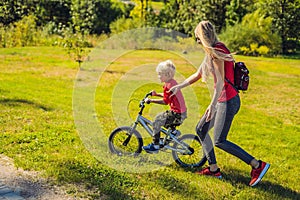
177 112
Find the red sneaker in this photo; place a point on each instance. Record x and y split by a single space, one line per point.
206 171
258 174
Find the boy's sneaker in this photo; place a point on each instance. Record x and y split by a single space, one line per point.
206 171
258 174
151 148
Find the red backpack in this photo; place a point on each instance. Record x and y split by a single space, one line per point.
241 76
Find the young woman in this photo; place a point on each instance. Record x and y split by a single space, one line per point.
225 103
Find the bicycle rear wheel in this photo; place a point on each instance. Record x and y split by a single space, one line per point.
125 141
189 153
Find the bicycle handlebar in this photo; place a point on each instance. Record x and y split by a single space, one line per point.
148 94
142 102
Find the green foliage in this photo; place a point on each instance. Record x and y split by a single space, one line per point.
12 11
94 16
25 31
21 33
254 50
76 46
181 16
54 11
286 17
124 24
91 16
100 16
237 9
57 11
215 11
255 30
140 9
263 50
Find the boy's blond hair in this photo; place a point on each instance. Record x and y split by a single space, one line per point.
166 67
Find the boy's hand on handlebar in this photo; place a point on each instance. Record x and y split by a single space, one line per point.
154 93
148 100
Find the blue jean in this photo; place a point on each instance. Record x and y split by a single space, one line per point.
221 122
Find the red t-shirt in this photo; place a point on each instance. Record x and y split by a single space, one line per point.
228 91
176 102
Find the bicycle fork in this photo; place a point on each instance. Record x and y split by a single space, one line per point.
129 134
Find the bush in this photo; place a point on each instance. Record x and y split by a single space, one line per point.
25 32
263 50
124 24
252 36
254 50
21 33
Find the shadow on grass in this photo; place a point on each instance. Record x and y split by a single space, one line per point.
178 186
97 180
236 177
19 102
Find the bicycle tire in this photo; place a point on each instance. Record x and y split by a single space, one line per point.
121 143
196 158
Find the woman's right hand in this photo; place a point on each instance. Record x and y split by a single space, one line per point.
174 90
210 112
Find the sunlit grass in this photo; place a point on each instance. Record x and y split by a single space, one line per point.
38 131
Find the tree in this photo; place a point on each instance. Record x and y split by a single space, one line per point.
237 9
215 11
181 16
140 9
252 36
55 11
12 11
286 17
94 16
184 15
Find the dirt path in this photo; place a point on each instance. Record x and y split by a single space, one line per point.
28 185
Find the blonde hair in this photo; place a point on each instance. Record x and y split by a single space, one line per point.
166 67
206 33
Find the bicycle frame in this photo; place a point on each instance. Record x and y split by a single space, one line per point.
146 124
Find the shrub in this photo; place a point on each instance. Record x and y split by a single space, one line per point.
254 50
25 32
263 50
251 34
124 24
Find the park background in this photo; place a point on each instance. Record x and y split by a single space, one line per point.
43 44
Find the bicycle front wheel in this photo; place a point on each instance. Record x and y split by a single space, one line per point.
189 152
125 141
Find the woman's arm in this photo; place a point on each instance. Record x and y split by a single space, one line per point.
190 80
219 75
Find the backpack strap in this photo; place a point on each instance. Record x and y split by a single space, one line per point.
231 84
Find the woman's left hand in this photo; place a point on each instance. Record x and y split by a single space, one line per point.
210 112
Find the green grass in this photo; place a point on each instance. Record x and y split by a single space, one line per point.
38 129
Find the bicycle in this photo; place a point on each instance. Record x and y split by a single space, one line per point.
186 150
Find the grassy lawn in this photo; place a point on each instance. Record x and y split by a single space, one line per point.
42 130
